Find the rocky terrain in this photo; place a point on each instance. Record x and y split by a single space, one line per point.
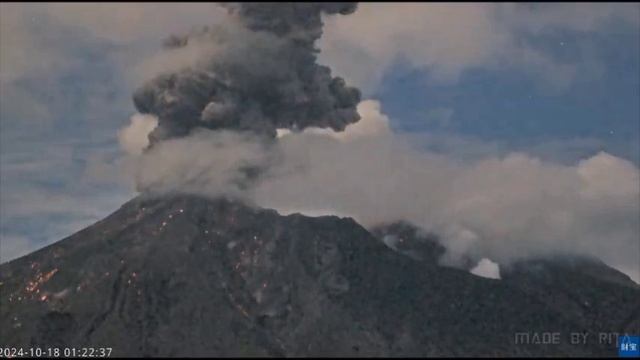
189 276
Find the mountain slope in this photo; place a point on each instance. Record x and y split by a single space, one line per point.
185 275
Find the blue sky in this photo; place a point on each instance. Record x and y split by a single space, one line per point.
68 74
508 106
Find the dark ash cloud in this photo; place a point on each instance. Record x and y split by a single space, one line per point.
261 76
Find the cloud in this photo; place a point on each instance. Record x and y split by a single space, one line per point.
504 208
172 60
207 162
540 18
33 216
448 39
121 23
50 72
372 123
43 45
134 137
13 246
46 195
22 44
129 22
486 268
596 172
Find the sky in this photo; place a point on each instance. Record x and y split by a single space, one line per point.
559 82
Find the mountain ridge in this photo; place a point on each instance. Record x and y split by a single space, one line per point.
185 275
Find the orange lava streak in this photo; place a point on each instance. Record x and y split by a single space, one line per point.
39 280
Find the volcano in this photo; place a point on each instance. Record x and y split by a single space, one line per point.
184 275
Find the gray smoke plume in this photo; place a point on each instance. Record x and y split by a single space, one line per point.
263 76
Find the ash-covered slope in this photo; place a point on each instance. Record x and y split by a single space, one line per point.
195 277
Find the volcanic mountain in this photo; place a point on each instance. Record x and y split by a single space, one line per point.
184 275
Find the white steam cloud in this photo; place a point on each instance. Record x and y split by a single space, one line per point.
502 208
486 35
486 268
134 137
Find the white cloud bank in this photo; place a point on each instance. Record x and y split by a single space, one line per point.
449 38
503 208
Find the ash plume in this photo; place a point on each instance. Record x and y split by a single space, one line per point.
505 207
256 78
261 75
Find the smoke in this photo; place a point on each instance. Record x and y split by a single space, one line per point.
487 268
261 75
134 138
503 208
212 163
252 115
